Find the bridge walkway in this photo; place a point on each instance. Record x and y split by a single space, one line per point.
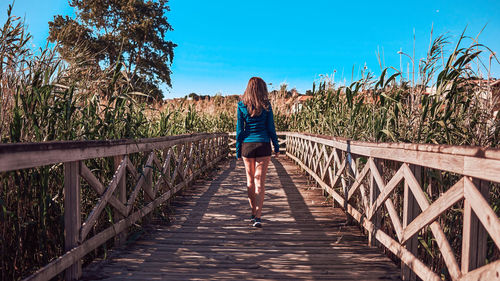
209 236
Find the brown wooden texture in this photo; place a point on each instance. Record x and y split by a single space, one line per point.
210 236
182 163
410 212
480 221
120 163
18 156
72 218
363 178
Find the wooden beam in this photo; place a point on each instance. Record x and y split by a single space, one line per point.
445 201
373 194
99 188
121 191
393 214
410 212
102 202
72 216
74 254
28 155
441 240
474 234
489 272
478 162
483 211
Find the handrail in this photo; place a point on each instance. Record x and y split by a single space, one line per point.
352 170
360 177
16 156
171 163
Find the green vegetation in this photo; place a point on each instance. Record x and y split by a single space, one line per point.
460 111
42 99
105 33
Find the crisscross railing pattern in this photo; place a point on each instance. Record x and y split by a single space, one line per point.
170 163
363 178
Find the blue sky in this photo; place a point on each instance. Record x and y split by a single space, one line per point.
221 44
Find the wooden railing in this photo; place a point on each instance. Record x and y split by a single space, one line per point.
170 164
363 178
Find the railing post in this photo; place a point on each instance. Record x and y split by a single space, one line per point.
374 192
410 212
121 194
72 216
148 185
347 186
226 145
286 146
474 235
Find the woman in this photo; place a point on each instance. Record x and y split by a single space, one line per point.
254 129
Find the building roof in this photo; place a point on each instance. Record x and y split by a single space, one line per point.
304 98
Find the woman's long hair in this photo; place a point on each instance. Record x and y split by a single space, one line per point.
256 96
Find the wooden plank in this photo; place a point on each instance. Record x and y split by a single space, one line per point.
373 194
456 159
358 181
99 188
140 181
72 219
474 239
483 211
148 185
28 155
338 175
393 214
66 260
493 153
441 240
445 201
410 211
132 170
392 245
489 272
406 256
211 241
469 225
121 190
101 203
337 197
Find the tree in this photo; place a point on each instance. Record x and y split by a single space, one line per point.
131 32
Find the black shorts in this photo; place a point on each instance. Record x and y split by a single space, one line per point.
255 149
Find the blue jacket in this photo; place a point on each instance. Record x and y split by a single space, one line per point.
254 129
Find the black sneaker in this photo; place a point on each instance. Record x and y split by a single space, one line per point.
252 219
257 223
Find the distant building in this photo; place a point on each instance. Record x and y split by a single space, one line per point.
495 95
299 103
487 89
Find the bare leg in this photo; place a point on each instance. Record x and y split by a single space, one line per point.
250 171
261 164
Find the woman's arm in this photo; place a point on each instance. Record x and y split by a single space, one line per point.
271 129
239 131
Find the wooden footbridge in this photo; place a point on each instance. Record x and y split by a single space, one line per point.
334 210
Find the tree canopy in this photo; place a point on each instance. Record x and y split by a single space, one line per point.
132 31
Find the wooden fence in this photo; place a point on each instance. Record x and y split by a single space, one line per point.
363 178
170 164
